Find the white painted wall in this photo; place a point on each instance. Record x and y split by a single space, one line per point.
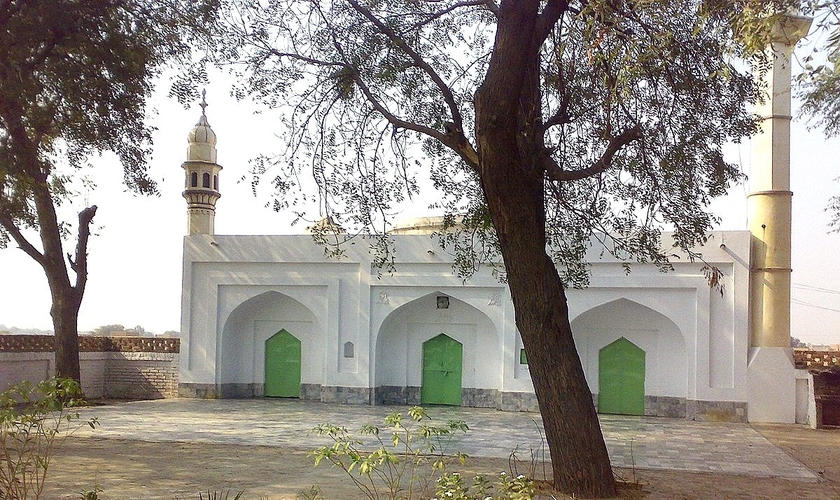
238 290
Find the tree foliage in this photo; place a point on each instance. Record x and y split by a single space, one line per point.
74 78
545 126
819 81
631 135
106 329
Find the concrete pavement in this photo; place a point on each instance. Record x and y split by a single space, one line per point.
641 442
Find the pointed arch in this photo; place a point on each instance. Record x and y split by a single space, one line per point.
242 355
665 373
399 346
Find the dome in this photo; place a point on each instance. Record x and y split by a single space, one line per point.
202 133
202 141
424 225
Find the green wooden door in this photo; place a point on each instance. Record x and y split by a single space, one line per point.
441 371
282 365
621 378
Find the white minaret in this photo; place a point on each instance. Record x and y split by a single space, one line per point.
202 176
771 374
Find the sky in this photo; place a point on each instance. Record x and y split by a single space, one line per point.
135 259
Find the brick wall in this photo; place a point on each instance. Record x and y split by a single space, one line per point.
45 343
824 367
112 367
816 360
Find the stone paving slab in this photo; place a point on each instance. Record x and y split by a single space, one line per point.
641 442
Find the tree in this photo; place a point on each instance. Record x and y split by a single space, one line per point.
549 125
107 329
819 82
74 77
820 77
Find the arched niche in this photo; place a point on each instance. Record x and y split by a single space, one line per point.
654 333
399 349
243 340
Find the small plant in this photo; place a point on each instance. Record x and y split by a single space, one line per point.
409 455
220 495
451 486
312 493
34 421
93 494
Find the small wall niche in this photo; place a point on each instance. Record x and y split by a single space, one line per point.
349 350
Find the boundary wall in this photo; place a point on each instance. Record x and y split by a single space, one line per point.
112 367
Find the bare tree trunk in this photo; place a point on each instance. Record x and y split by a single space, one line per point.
580 463
66 296
65 316
510 148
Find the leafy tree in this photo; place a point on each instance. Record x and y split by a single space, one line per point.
106 329
819 82
820 77
74 77
549 126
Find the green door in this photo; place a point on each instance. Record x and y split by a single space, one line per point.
282 365
441 371
621 378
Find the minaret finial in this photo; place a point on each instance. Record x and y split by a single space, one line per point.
203 102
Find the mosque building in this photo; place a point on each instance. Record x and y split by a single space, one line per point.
273 316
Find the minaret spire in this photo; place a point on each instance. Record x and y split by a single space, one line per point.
203 104
202 175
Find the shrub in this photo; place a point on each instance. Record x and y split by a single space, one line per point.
409 460
34 421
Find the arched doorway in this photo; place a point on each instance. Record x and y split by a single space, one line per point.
282 365
442 362
621 378
254 320
399 347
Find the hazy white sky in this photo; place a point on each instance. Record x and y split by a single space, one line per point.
135 259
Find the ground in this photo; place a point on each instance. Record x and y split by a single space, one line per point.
130 469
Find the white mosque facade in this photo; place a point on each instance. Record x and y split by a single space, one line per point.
272 316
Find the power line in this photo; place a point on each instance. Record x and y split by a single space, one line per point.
815 306
812 288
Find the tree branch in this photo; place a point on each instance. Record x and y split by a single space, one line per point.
552 13
453 138
491 6
561 117
298 57
79 266
417 58
9 225
555 173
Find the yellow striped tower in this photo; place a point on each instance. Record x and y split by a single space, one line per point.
771 372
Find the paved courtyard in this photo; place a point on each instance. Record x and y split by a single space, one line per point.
640 442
